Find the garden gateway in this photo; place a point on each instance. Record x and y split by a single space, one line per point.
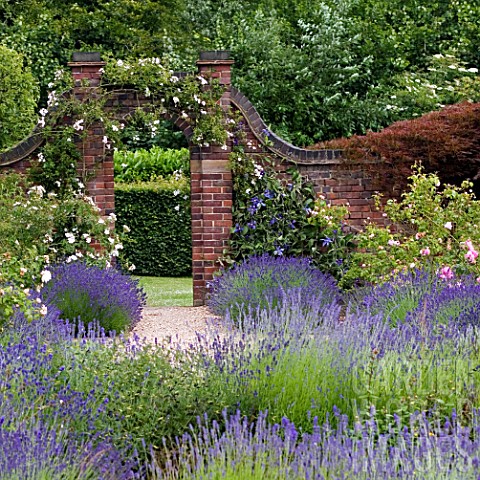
211 178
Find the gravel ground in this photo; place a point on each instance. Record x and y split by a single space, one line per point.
179 323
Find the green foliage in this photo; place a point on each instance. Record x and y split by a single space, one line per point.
144 130
41 34
152 396
341 375
145 165
282 215
18 97
433 226
159 240
48 31
37 229
344 59
325 67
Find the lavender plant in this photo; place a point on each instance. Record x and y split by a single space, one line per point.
308 368
360 397
420 296
89 294
44 452
458 303
47 429
268 281
400 296
239 448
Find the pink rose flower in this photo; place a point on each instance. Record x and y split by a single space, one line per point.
471 256
446 273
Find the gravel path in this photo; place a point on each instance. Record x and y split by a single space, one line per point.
176 322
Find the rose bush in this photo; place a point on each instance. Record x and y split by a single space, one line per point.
433 225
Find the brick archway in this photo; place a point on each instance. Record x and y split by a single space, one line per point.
211 178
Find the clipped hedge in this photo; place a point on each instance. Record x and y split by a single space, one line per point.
159 242
148 165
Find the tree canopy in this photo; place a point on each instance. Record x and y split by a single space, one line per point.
316 70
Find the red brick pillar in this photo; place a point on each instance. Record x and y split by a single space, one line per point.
87 69
211 186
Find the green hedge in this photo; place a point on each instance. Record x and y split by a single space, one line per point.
158 214
148 165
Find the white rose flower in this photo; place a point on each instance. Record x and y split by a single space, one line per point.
46 276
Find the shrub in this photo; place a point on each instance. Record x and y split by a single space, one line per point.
433 226
87 294
280 214
267 281
446 141
37 229
445 81
143 394
159 242
18 99
145 165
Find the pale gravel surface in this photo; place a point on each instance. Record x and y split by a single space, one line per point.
179 323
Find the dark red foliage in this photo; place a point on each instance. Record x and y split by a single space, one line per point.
445 141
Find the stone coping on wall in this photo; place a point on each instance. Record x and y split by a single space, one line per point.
277 145
22 149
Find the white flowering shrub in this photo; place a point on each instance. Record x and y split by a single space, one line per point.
37 229
447 80
193 98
